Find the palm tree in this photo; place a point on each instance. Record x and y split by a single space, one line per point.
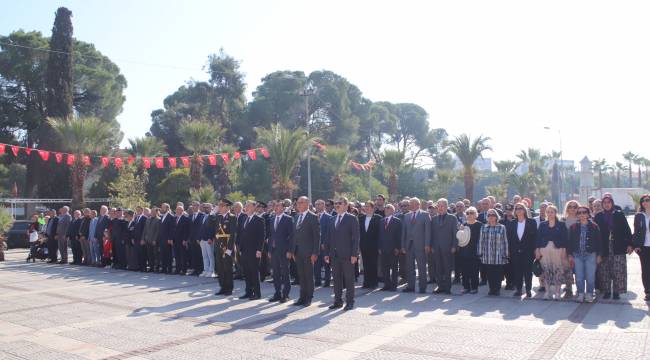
147 146
638 161
536 173
646 164
82 137
506 169
468 151
199 137
600 166
392 161
336 160
287 148
629 156
619 167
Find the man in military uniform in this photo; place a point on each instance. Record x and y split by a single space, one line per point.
225 240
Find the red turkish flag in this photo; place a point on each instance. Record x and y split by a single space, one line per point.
2 148
160 162
186 161
236 155
212 160
264 152
118 162
172 162
146 162
45 155
105 161
28 151
252 154
15 149
225 157
58 157
70 159
130 160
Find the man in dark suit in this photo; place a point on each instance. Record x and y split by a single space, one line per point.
103 221
250 241
181 235
343 253
390 242
166 238
194 248
50 232
118 227
443 245
264 261
73 237
324 219
306 237
280 251
237 209
369 224
225 242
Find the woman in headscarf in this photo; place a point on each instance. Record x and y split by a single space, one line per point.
616 238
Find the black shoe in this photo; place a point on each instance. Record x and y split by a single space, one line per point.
254 297
482 283
306 303
616 296
227 293
607 295
407 290
299 302
529 294
348 306
327 284
284 299
245 296
437 291
647 297
541 289
220 292
275 298
335 306
385 289
317 283
509 287
517 293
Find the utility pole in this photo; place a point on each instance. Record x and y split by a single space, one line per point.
306 93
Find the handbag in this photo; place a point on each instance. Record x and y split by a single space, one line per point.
33 236
537 268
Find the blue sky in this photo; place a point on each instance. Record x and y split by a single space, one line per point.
505 69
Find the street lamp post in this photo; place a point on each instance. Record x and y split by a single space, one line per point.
306 93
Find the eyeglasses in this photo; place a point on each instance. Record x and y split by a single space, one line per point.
338 203
646 200
582 213
491 215
519 208
572 207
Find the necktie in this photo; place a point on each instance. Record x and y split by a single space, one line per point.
413 218
338 220
300 220
386 223
247 220
277 220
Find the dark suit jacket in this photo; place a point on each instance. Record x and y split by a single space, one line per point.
102 225
443 231
638 237
281 239
73 229
527 244
166 231
306 237
343 240
324 220
55 222
390 237
208 227
139 228
181 229
195 226
251 235
369 239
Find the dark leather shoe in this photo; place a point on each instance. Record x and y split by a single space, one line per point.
306 303
254 297
348 306
408 290
275 298
245 296
437 291
517 293
327 284
284 299
227 293
529 294
336 306
385 289
616 296
299 302
220 292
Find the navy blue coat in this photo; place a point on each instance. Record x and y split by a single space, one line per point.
166 231
195 226
281 239
390 237
102 225
181 229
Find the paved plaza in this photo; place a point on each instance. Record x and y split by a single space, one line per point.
74 312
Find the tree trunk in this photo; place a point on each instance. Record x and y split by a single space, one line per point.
275 183
468 178
393 187
630 172
337 185
78 179
618 179
196 172
639 175
600 179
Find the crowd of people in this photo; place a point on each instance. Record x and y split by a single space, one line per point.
409 244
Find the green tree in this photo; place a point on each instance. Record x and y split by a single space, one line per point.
336 160
174 187
535 161
128 189
392 161
204 194
630 157
619 166
506 170
200 137
599 166
468 151
6 221
81 137
287 148
638 161
439 188
59 66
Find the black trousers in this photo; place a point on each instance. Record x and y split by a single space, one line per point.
389 268
251 269
494 277
402 265
305 270
264 263
468 267
508 273
369 255
143 253
318 270
281 278
119 254
180 256
166 257
224 268
76 250
52 247
343 270
645 268
196 257
522 271
153 256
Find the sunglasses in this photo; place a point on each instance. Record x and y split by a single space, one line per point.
645 200
491 215
582 212
572 207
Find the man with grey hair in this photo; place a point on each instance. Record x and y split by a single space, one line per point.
62 232
84 237
416 234
306 234
443 245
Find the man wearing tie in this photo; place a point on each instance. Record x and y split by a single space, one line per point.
306 236
51 232
343 252
250 241
443 245
194 250
166 238
416 235
390 242
324 219
181 235
370 223
280 251
206 234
